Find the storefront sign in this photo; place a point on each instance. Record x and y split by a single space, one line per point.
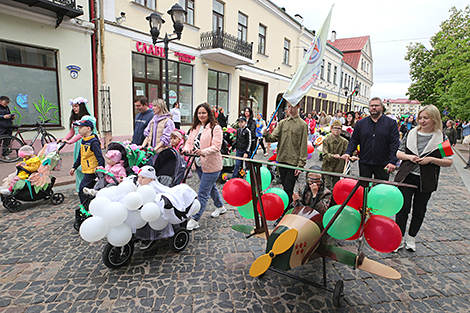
173 97
184 57
322 95
74 69
150 49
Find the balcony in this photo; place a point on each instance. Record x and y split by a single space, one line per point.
227 49
60 7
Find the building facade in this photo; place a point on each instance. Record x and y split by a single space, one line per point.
399 107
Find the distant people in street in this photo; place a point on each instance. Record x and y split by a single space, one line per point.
421 163
242 144
301 113
222 119
271 128
311 123
338 116
407 125
314 115
334 146
348 126
323 120
260 125
451 132
6 121
176 115
142 119
157 133
292 135
251 125
378 138
358 116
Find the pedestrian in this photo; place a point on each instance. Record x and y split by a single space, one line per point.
242 144
358 116
407 125
292 135
142 119
311 124
421 163
450 132
348 126
338 116
251 125
205 140
334 146
6 121
378 138
260 125
271 128
222 119
176 115
314 115
322 120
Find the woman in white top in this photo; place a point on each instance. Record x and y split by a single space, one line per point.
176 115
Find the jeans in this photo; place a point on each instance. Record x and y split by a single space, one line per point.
6 142
238 163
367 170
207 188
88 181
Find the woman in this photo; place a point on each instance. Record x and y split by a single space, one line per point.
358 116
451 132
79 112
222 119
251 125
205 140
311 123
323 120
349 125
176 115
314 194
260 125
157 133
421 163
409 124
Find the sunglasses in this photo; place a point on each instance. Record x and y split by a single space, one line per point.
312 181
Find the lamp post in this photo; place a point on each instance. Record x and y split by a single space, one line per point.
356 90
155 21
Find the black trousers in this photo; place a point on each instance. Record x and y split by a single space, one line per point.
177 125
288 180
88 181
367 170
420 202
6 143
261 143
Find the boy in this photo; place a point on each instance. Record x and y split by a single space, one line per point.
334 147
242 144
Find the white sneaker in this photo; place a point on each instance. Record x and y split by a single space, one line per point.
90 192
218 211
410 243
402 244
5 191
192 224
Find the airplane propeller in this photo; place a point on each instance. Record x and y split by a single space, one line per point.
281 245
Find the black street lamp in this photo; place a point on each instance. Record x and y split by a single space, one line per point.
177 14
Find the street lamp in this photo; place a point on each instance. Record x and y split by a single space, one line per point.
356 90
177 14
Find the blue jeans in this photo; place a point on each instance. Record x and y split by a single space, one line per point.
238 163
207 188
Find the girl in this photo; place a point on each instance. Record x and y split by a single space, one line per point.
260 125
311 123
251 125
313 194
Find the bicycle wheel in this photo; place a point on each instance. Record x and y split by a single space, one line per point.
9 147
47 138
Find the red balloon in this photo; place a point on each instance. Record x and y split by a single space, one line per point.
310 148
273 206
382 234
342 190
237 192
357 234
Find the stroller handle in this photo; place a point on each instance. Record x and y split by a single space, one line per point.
61 145
106 173
190 154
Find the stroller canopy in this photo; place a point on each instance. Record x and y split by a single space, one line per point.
170 163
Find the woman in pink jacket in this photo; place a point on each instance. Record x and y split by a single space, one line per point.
205 140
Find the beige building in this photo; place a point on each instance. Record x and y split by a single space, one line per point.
399 107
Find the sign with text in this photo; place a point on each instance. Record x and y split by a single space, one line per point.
150 49
184 57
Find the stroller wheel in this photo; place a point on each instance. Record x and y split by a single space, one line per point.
179 241
116 257
77 224
12 204
57 198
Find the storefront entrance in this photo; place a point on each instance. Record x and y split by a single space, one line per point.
253 94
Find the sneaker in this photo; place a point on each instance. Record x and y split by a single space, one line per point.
410 243
192 224
402 244
6 157
5 191
266 154
90 192
466 167
218 211
145 244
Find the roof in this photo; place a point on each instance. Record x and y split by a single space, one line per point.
401 101
353 44
352 58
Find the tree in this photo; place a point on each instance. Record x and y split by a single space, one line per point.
441 75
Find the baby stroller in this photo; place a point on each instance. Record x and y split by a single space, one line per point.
39 184
170 168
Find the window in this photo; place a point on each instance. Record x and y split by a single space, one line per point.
335 74
285 58
217 91
253 94
28 76
262 39
147 3
328 75
322 72
217 16
242 26
188 5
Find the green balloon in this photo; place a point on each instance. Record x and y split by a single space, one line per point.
386 200
265 177
345 225
281 193
247 210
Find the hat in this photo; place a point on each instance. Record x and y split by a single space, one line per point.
86 123
147 171
177 134
241 119
25 151
336 123
114 155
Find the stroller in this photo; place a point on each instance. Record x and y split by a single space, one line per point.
39 184
170 168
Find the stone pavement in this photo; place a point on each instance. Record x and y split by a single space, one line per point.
46 267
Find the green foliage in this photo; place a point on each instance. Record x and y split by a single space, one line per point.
19 117
43 107
441 75
19 184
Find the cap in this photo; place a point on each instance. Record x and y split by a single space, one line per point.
177 134
147 171
336 123
241 119
25 150
114 155
86 123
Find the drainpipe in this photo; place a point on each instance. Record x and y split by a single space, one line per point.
94 61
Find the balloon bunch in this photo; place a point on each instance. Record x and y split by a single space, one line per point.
381 233
237 192
310 150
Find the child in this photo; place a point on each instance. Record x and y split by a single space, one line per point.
242 144
334 146
177 141
314 194
260 125
146 176
29 165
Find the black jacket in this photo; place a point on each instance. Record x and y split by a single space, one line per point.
251 125
222 120
5 122
243 141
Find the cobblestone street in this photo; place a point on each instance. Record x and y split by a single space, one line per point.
46 267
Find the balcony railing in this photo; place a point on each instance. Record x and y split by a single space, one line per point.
221 39
60 7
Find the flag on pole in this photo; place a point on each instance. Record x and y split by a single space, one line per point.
310 67
445 149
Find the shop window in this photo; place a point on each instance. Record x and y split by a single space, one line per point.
181 89
217 91
253 94
28 76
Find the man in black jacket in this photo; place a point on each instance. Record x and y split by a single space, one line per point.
378 138
242 144
6 120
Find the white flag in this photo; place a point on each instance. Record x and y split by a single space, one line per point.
310 67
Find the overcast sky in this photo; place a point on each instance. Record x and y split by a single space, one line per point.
392 25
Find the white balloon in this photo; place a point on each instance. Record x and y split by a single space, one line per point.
147 192
93 229
114 213
159 224
150 212
125 187
97 205
134 220
133 200
119 235
113 188
195 207
107 193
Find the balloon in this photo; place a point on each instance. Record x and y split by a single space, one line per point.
265 177
342 190
386 200
281 193
237 192
150 212
134 220
119 235
159 224
273 206
97 205
107 193
247 210
133 200
195 207
345 225
147 192
93 229
382 234
358 234
309 156
310 148
114 213
125 187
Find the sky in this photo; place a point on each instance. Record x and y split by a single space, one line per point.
391 25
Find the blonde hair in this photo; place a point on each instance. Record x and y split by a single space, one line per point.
434 115
161 103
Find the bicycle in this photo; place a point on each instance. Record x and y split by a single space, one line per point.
11 144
